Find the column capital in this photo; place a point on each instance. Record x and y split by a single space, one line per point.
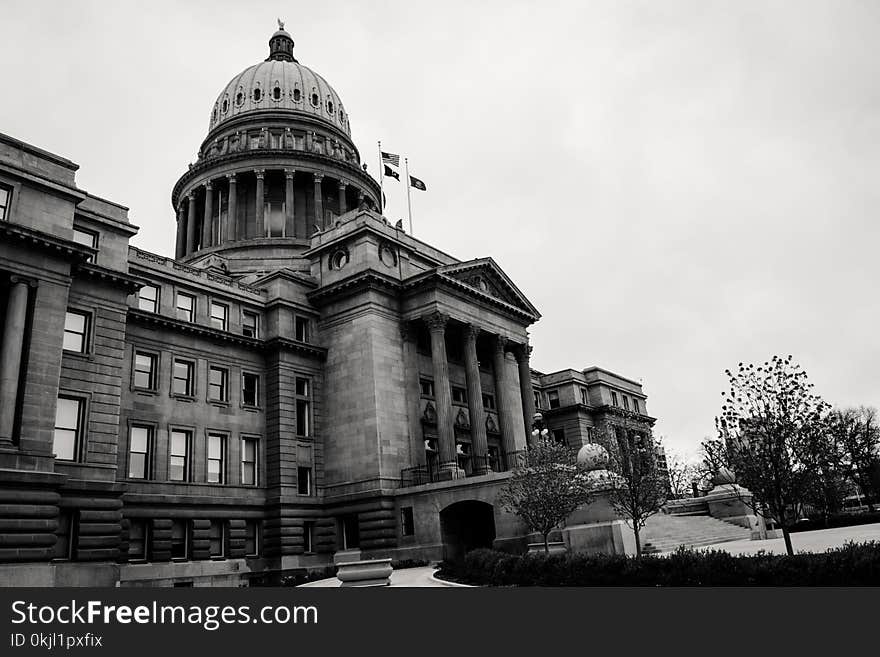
209 186
231 177
522 351
318 177
341 184
15 279
288 173
500 343
471 332
191 196
436 322
360 195
259 173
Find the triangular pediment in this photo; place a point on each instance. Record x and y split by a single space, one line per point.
486 277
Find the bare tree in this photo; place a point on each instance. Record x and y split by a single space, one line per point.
770 433
857 434
546 487
682 475
636 487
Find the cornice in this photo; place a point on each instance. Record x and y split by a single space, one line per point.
368 280
436 280
116 278
68 249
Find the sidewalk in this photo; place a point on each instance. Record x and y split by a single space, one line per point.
814 541
408 577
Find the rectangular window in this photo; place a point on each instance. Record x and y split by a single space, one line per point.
303 407
538 401
304 481
309 536
250 324
76 331
179 461
626 402
86 238
249 464
217 539
489 401
613 398
138 539
553 398
186 307
67 535
219 315
216 458
407 522
148 298
182 383
180 539
636 405
140 448
5 198
145 370
302 329
218 384
584 397
250 389
494 456
68 428
251 538
559 436
427 387
459 395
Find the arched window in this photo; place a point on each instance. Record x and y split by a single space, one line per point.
329 106
315 100
225 105
239 97
258 93
297 95
276 92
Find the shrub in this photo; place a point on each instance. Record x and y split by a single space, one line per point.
850 565
837 520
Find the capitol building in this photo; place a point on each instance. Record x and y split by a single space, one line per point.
299 378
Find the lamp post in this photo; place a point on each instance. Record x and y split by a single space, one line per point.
539 429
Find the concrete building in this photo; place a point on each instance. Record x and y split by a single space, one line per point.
300 378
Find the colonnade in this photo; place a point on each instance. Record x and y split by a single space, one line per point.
11 355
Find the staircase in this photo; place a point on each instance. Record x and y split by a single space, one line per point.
666 532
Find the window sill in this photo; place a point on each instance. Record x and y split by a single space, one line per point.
218 403
184 398
147 392
79 355
252 409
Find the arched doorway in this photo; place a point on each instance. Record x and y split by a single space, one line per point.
466 526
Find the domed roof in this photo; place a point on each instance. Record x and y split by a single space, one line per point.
280 83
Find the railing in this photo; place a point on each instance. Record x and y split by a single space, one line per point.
466 466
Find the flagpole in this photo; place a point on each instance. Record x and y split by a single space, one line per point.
381 181
408 198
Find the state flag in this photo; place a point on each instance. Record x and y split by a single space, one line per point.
418 184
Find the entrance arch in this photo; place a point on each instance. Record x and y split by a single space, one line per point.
466 526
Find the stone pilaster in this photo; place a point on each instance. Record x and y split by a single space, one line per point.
180 245
10 356
475 399
262 228
289 207
522 353
442 395
208 221
232 210
319 202
191 224
413 394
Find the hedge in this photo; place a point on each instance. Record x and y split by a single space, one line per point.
837 520
850 565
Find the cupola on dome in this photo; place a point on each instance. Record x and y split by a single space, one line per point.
280 84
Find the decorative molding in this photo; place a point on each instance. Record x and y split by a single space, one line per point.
471 332
436 322
461 420
430 414
68 249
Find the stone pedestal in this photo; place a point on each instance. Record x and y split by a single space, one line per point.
346 556
610 537
730 503
375 572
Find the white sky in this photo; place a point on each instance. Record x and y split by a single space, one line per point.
677 186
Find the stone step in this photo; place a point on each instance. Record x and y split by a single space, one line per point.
665 533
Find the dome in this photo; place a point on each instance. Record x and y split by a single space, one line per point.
280 83
593 457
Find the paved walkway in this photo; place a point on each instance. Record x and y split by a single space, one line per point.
410 577
815 541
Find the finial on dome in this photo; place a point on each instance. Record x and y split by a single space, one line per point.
281 45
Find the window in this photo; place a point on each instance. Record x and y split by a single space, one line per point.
216 458
218 384
626 402
138 539
140 447
276 92
636 405
251 538
584 398
613 398
145 370
182 383
250 389
67 535
186 306
494 457
249 461
179 462
76 331
459 395
302 329
539 403
553 399
258 95
148 298
180 530
217 539
219 315
309 536
559 436
303 407
349 531
489 401
427 387
68 428
407 523
5 198
249 324
304 481
297 95
87 238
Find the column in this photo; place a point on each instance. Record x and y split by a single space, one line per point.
180 245
10 356
260 203
506 417
319 202
342 208
289 207
232 209
475 399
360 199
413 394
442 393
522 353
208 221
191 224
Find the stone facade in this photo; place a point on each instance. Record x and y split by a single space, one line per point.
301 379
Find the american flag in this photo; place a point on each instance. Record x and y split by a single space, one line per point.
391 158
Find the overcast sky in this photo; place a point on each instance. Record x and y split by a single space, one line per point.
677 186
